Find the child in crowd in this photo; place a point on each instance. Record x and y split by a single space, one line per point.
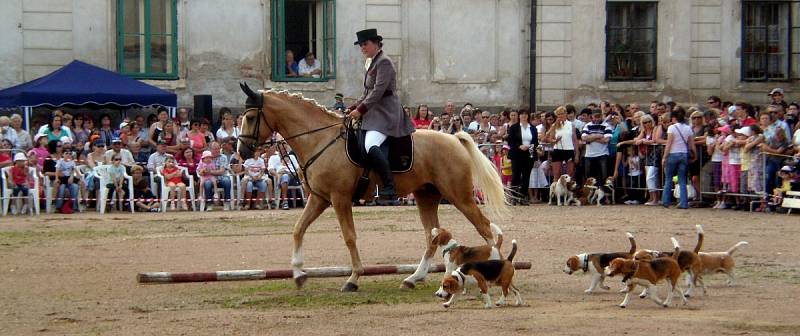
204 169
633 165
65 173
539 173
732 146
116 173
174 180
19 183
714 148
505 166
254 179
145 199
787 175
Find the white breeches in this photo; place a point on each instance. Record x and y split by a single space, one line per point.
373 138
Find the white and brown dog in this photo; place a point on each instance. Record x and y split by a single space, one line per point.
689 261
560 190
718 262
594 263
498 272
649 273
456 255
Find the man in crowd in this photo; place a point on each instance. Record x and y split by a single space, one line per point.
183 121
714 102
339 105
776 97
117 150
158 157
309 67
596 136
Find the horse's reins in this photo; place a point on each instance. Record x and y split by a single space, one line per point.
281 144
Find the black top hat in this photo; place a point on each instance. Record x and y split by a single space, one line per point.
368 35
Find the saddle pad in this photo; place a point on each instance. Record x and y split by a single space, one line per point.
401 152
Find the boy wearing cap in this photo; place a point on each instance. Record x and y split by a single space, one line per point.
19 182
339 105
125 154
776 97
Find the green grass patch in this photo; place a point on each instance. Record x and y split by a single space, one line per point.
325 294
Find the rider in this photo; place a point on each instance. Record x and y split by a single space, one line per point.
380 110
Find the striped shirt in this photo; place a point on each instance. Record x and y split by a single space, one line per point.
596 148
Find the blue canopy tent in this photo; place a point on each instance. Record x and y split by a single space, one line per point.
79 83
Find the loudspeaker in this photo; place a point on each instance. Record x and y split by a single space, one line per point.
204 109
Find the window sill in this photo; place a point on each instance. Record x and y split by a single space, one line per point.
319 85
639 85
164 84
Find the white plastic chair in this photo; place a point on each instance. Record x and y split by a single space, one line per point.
218 189
101 172
165 190
48 185
33 193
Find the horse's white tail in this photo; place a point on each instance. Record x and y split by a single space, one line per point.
485 177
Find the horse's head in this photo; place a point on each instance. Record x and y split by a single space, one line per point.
254 127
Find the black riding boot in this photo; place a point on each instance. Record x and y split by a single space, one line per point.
379 163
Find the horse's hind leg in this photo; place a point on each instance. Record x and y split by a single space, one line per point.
313 209
428 205
467 206
344 214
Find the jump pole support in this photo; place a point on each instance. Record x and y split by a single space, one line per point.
314 272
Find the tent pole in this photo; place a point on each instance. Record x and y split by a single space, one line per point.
27 111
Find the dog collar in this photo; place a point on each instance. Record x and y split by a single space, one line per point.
449 247
461 277
585 267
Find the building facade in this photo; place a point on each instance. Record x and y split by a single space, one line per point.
474 51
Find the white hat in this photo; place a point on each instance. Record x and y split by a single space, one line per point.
746 131
20 157
787 169
65 139
206 154
774 91
731 109
123 125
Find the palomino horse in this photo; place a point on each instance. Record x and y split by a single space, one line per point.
444 166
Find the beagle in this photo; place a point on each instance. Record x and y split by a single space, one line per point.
649 273
718 262
688 261
498 272
456 255
594 263
578 194
559 190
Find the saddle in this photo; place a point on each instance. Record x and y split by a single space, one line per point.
401 150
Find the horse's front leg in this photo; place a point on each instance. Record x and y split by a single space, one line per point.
428 205
313 209
344 213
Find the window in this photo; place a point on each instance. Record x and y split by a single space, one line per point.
631 41
146 39
766 37
300 28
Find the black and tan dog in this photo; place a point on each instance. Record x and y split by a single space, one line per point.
594 263
456 254
649 273
498 272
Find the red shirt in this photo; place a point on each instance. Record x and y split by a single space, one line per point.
20 176
421 123
749 121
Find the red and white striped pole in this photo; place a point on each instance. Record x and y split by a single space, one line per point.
314 272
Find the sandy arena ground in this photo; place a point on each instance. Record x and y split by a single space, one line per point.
76 275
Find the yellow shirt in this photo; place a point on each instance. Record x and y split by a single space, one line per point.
506 166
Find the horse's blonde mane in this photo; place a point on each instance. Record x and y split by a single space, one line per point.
298 97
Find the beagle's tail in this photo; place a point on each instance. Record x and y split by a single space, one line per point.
700 237
633 242
735 247
498 235
513 250
677 249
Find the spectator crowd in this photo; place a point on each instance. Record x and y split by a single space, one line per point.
727 154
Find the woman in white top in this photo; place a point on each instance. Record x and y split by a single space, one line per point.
677 156
562 135
227 130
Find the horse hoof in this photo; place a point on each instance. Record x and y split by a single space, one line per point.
350 287
300 281
407 285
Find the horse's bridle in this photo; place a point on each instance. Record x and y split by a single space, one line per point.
281 144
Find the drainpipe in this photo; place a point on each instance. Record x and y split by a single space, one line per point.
532 55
